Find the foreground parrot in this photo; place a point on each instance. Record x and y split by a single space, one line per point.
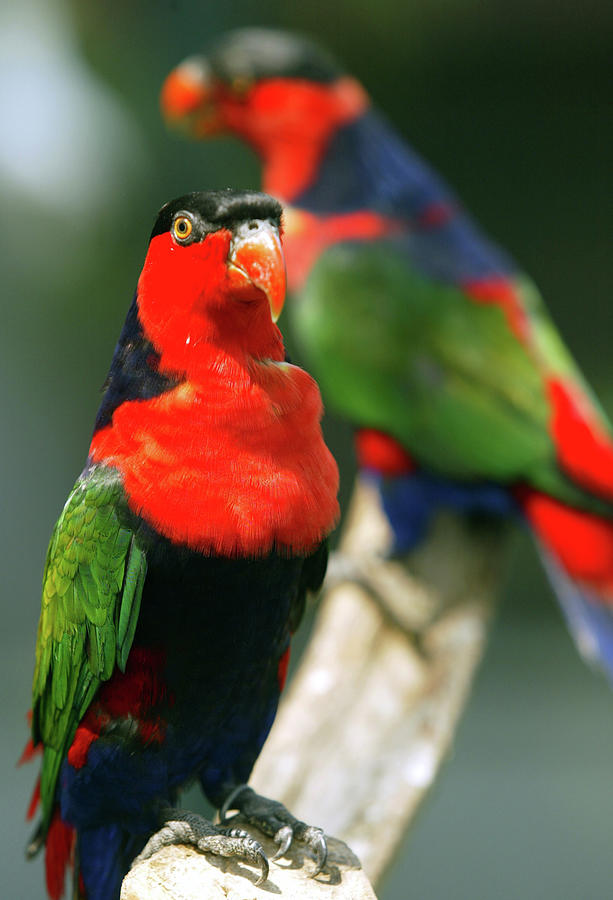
421 332
178 568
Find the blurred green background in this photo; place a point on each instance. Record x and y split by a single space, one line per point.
513 104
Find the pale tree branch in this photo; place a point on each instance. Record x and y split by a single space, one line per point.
371 713
181 873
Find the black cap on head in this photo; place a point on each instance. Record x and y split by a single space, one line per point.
219 209
254 53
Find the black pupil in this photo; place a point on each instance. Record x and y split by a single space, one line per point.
182 226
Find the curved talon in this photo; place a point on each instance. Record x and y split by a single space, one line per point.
316 840
275 820
226 821
264 868
229 802
283 838
253 852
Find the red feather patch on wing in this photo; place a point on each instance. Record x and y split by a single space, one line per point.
88 731
502 293
307 236
584 448
139 694
377 450
580 541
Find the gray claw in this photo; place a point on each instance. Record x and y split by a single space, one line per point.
275 820
283 839
229 802
264 868
315 839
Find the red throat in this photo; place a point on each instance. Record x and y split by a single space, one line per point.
231 461
188 308
289 123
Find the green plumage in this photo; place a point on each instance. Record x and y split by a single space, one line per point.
439 371
92 585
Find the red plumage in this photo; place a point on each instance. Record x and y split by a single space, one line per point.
378 451
580 541
307 236
262 471
58 855
282 111
585 448
503 293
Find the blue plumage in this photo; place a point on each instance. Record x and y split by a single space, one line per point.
410 500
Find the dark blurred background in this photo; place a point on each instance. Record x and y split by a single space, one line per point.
512 102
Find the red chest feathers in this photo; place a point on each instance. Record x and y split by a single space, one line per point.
234 464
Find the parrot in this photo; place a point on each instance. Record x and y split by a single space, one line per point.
179 567
423 334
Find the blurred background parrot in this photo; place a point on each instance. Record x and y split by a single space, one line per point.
423 333
178 568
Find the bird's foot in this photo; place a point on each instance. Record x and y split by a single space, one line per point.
183 827
273 819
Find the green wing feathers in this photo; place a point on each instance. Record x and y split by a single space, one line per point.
439 371
92 587
436 370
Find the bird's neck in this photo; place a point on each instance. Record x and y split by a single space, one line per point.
135 370
290 125
289 167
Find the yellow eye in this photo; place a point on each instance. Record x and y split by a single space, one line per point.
182 228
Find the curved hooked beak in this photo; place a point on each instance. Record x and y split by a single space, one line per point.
187 98
256 260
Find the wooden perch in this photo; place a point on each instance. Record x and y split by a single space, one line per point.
370 715
181 873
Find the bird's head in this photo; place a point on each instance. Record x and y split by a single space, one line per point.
278 91
214 274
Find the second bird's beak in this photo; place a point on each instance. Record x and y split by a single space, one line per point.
256 259
187 101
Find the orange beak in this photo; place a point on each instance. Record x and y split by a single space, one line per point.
256 259
187 98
